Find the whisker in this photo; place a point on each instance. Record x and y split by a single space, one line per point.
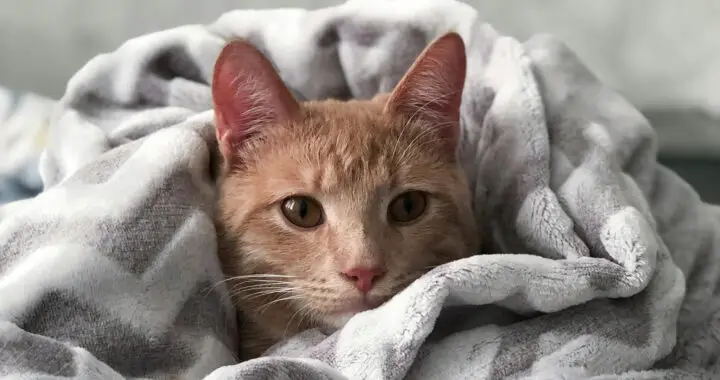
266 293
252 282
241 288
260 275
254 292
267 283
306 315
298 312
288 298
262 282
251 277
262 287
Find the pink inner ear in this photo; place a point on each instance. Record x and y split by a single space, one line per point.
432 88
247 94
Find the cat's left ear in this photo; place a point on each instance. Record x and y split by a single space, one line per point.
432 88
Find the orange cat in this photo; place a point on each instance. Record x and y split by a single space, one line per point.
329 208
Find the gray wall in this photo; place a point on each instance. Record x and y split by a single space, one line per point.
43 42
657 52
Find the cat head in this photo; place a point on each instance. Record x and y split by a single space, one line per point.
333 207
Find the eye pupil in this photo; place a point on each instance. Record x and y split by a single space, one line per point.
407 204
302 211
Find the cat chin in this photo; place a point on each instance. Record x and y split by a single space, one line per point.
338 320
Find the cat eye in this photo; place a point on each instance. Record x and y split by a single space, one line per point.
302 211
407 207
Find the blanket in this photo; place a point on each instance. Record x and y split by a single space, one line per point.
600 263
23 136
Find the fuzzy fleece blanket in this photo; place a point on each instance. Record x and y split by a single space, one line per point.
24 125
601 263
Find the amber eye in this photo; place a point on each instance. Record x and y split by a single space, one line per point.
407 207
302 211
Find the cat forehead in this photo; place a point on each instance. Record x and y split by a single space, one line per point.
348 146
355 118
359 186
353 135
330 165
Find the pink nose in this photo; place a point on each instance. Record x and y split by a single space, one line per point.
363 278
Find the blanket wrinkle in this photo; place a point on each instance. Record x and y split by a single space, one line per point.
598 262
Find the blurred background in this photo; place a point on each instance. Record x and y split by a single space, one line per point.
663 55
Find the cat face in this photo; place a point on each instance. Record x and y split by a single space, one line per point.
330 208
348 206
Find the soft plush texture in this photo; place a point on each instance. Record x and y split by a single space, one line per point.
601 263
24 126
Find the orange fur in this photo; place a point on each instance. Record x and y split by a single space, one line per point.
353 157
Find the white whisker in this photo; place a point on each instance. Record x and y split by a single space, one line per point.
254 288
260 275
298 312
288 298
266 293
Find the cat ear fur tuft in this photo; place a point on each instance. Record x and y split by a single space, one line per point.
432 88
247 94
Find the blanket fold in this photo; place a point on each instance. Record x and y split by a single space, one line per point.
597 262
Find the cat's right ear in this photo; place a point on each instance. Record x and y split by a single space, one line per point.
248 95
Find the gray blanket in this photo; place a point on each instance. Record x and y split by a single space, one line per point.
600 262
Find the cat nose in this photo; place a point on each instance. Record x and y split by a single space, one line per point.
363 278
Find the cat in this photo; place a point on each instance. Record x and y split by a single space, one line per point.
329 208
